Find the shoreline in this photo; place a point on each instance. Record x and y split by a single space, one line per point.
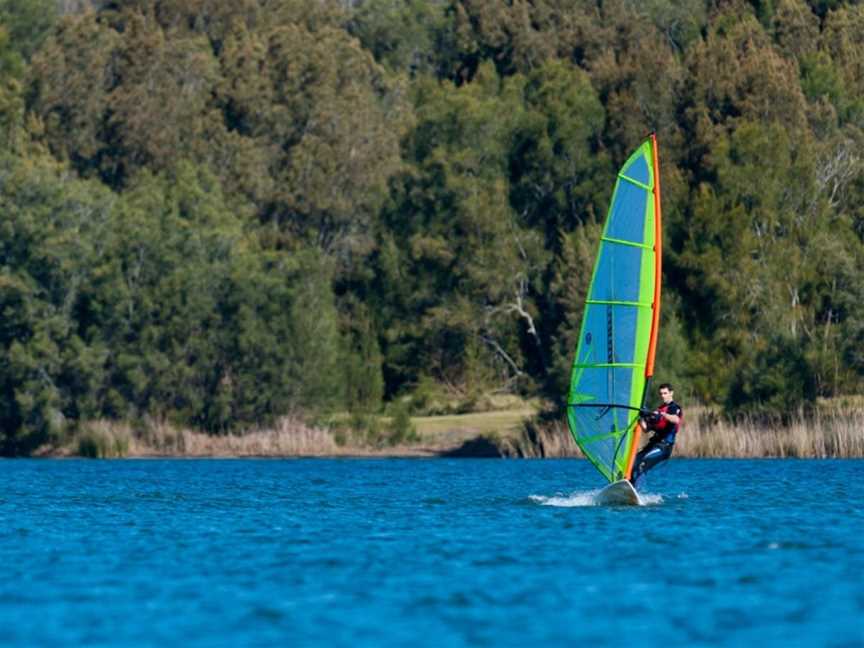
352 456
831 435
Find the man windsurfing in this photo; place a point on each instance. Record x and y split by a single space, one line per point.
663 423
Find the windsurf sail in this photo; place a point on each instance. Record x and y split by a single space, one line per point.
618 338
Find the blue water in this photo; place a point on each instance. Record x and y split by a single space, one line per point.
428 552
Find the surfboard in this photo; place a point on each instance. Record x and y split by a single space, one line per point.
619 493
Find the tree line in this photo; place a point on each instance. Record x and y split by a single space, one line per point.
218 212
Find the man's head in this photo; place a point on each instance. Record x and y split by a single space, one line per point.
666 392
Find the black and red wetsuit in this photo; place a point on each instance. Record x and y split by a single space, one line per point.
659 448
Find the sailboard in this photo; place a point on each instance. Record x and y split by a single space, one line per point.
619 493
614 359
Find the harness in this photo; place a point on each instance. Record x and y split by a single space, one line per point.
666 428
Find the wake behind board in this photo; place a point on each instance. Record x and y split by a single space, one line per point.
619 493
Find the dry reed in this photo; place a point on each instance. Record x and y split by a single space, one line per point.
836 432
289 437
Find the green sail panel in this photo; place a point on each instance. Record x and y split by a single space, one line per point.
608 380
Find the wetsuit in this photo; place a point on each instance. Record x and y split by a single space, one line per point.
659 448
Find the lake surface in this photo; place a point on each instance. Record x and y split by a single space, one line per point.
428 552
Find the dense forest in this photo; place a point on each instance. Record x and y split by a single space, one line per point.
217 212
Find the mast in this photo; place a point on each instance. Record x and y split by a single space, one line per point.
655 306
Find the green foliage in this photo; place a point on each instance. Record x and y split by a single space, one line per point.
315 339
568 289
777 384
427 398
822 7
291 114
672 362
28 22
400 428
50 237
456 250
102 443
556 171
364 381
11 99
796 28
403 35
819 78
679 21
154 304
365 428
217 213
757 84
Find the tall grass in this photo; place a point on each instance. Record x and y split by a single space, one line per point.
103 440
834 431
551 439
289 437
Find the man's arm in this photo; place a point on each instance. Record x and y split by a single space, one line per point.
675 419
672 418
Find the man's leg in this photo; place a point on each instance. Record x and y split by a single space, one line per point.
639 463
648 457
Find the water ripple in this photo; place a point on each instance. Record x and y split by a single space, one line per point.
417 552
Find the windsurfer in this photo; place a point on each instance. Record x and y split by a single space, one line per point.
663 423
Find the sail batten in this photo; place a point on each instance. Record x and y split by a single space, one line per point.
617 341
620 242
620 303
609 364
641 185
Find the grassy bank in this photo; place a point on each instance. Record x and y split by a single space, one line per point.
109 439
833 431
430 436
288 438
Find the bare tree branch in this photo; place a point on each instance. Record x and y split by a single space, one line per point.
500 351
837 170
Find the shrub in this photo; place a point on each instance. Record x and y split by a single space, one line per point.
400 428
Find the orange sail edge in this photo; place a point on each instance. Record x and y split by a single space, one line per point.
658 262
655 307
637 435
